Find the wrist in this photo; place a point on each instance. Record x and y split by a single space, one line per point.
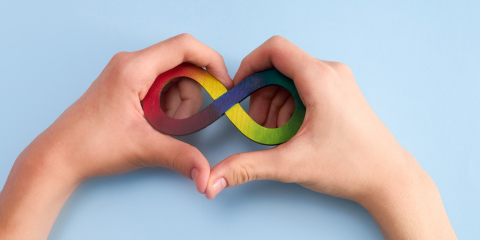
407 204
46 158
35 191
402 179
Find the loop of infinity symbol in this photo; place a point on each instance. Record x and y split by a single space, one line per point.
225 102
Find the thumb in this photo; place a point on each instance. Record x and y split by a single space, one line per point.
165 151
244 167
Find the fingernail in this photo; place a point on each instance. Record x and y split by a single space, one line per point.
219 185
194 174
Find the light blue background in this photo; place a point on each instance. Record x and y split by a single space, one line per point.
418 64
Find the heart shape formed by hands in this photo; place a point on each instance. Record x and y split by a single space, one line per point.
225 102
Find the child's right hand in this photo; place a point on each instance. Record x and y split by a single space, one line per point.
342 149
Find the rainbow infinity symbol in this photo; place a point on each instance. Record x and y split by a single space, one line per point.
225 102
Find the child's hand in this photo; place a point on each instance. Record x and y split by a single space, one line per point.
342 148
105 132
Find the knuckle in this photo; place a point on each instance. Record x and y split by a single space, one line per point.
277 39
182 161
240 174
117 69
340 67
190 153
245 61
220 57
276 104
217 58
184 38
324 68
277 42
121 63
118 56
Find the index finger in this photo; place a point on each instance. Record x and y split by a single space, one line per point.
286 57
167 54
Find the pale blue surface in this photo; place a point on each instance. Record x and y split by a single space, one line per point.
418 65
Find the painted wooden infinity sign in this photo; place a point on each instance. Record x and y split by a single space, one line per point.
225 102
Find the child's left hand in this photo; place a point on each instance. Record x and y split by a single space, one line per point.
105 132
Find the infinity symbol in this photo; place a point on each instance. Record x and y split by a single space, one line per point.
224 103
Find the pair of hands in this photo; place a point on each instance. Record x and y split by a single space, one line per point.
339 150
342 148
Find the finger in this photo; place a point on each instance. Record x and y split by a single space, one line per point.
172 99
278 101
244 167
161 150
286 111
260 103
279 53
167 54
164 92
191 96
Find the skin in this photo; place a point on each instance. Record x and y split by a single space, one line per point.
342 148
105 132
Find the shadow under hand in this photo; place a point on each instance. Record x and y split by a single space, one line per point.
236 198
